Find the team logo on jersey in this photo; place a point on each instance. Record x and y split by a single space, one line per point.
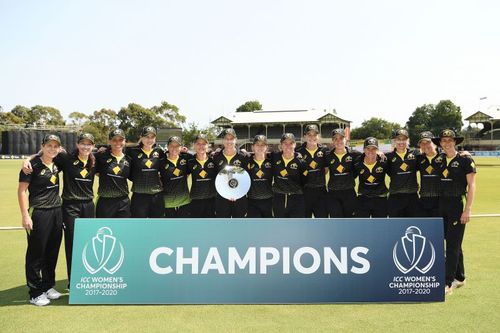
155 154
413 251
195 167
140 155
109 160
267 165
125 163
221 162
237 163
455 164
362 171
76 162
294 166
182 162
210 165
379 170
348 159
104 253
438 159
320 153
42 172
411 157
278 162
393 159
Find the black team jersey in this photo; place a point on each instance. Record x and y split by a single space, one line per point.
261 175
316 163
371 179
43 184
239 160
78 176
144 170
430 175
454 175
341 169
403 171
113 175
203 175
289 176
174 178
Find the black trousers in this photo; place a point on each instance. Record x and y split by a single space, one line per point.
70 211
260 208
147 205
113 207
44 242
451 210
225 208
341 203
202 208
428 207
402 205
288 205
371 206
315 202
177 212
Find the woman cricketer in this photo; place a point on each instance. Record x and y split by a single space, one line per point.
261 174
458 184
42 219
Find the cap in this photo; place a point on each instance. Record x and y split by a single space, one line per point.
287 136
310 128
51 137
425 136
448 133
260 138
400 131
86 136
116 132
174 139
201 136
370 142
338 131
148 130
228 131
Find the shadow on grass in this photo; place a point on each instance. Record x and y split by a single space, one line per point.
19 295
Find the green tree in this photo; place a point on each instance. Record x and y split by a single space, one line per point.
78 118
376 127
190 132
434 118
249 106
20 112
100 123
44 115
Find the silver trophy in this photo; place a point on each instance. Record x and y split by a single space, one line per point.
232 182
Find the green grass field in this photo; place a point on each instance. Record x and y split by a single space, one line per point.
472 308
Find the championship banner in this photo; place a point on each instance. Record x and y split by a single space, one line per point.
257 261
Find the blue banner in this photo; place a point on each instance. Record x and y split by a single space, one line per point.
257 261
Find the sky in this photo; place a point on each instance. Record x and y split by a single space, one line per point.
363 58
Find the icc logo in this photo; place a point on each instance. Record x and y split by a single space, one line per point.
106 252
413 251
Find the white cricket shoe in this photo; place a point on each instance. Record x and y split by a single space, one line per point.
40 300
457 284
52 294
448 290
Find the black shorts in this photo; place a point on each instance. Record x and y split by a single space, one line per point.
225 208
371 206
260 208
288 205
315 202
341 203
202 208
428 207
147 205
44 242
113 207
402 205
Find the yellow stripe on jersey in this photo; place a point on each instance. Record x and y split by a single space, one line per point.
370 166
174 161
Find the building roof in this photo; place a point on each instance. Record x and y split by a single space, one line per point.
277 116
491 113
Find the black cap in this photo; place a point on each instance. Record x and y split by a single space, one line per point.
287 136
399 132
338 131
260 138
425 136
116 132
51 137
370 142
201 136
228 131
448 133
148 130
86 136
310 128
175 139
